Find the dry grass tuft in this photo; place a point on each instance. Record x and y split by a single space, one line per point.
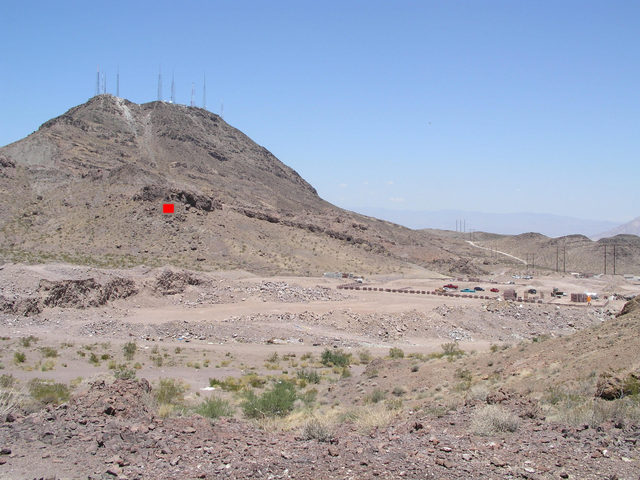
493 419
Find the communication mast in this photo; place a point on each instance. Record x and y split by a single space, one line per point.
204 92
98 81
193 92
118 82
173 88
160 84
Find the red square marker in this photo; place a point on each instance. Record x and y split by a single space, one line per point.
167 208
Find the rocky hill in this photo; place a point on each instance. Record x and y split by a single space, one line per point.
573 253
89 185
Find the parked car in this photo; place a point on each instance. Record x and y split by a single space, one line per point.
532 291
479 289
494 290
451 286
468 290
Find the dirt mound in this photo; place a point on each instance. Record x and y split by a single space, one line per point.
125 399
171 283
632 305
84 293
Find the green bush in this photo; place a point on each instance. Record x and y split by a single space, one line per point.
26 341
395 352
129 350
311 376
19 357
7 381
49 352
122 372
170 392
336 358
215 407
452 350
365 356
48 392
376 396
275 402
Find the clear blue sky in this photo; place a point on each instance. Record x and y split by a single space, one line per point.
498 106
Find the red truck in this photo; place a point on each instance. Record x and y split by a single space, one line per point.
451 286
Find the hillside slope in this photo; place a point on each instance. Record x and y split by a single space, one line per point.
88 187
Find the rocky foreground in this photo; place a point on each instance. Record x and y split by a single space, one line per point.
111 431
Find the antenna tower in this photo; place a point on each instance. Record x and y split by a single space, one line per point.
98 81
193 92
222 110
204 92
160 84
118 82
173 88
104 82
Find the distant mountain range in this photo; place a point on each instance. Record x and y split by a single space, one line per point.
629 228
502 223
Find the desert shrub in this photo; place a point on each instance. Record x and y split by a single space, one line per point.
49 352
273 358
309 396
229 384
122 372
415 368
45 391
452 350
337 358
19 357
365 356
47 365
215 407
278 401
310 376
27 341
395 352
157 360
376 396
399 391
169 392
494 348
7 381
94 359
129 350
492 419
307 356
10 399
105 356
318 430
